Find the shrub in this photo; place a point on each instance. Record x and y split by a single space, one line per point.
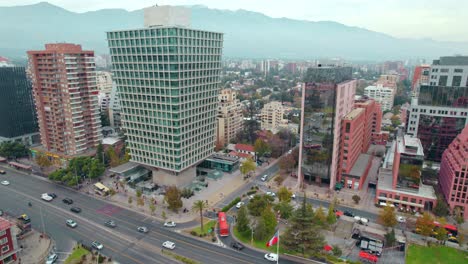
231 204
251 192
193 233
186 193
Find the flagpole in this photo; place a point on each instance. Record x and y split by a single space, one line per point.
277 247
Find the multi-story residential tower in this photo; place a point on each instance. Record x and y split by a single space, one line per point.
420 77
383 95
453 176
328 95
64 88
439 111
104 82
167 77
18 117
229 119
272 116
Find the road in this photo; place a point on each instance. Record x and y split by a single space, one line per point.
123 243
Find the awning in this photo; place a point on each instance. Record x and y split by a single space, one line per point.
2 159
19 165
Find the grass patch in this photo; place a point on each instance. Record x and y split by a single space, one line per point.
206 226
435 254
260 244
76 255
180 258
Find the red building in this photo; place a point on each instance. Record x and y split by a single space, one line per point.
8 245
373 120
453 176
66 97
421 76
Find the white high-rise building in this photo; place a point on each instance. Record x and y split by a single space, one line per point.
272 116
382 95
167 76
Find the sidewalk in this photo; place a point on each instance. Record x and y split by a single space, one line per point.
34 248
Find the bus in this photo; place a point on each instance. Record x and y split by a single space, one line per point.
223 224
452 230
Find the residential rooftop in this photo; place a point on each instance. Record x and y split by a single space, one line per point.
354 113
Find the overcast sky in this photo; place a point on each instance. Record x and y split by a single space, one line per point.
436 19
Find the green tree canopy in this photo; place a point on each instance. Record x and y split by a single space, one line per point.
258 204
387 216
285 209
284 195
198 207
242 222
269 219
247 166
425 224
261 147
13 150
173 198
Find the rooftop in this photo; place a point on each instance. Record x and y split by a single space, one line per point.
245 147
360 166
124 167
354 114
410 146
110 140
4 224
386 182
451 60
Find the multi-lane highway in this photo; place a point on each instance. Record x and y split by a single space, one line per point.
123 243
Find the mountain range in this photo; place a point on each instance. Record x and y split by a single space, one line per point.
247 34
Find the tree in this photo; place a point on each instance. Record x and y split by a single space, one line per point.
198 207
96 169
138 193
104 119
336 250
260 230
390 239
387 216
303 234
331 216
261 147
43 161
173 198
247 166
284 195
441 208
440 231
140 201
258 204
100 153
269 220
320 217
242 222
130 200
13 150
114 159
287 163
356 198
425 224
285 209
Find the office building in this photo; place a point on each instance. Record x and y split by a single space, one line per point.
64 88
453 176
167 76
271 116
18 121
439 111
420 77
229 118
382 95
400 177
327 96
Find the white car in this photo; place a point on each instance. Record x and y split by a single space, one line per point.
272 194
239 205
51 258
264 177
170 224
251 197
271 257
71 223
401 219
142 229
97 245
293 196
46 197
169 245
5 183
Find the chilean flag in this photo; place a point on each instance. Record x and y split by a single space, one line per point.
273 240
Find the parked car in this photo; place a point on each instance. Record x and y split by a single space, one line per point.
271 257
237 245
5 183
142 229
46 197
170 224
348 213
75 210
71 223
97 245
239 205
264 177
110 223
53 195
67 201
401 219
169 245
2 172
51 258
293 196
272 194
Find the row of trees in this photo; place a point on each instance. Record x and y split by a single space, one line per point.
13 150
78 170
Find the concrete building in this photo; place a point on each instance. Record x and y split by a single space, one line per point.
453 176
373 121
8 244
400 177
167 78
104 82
420 77
439 111
64 84
383 95
271 116
114 109
18 117
229 118
327 96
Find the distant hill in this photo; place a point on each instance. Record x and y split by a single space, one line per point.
247 34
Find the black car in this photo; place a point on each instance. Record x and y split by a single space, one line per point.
237 245
75 209
2 172
110 223
67 201
348 213
53 195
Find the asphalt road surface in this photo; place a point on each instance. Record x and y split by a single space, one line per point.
124 243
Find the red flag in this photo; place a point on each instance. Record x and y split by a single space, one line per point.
273 240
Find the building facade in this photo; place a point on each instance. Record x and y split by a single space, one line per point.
439 111
8 244
229 118
382 95
104 82
167 78
114 109
64 87
453 176
18 119
328 95
271 116
420 77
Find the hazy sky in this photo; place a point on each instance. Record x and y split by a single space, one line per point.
436 19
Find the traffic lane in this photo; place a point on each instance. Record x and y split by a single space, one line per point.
326 204
54 223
